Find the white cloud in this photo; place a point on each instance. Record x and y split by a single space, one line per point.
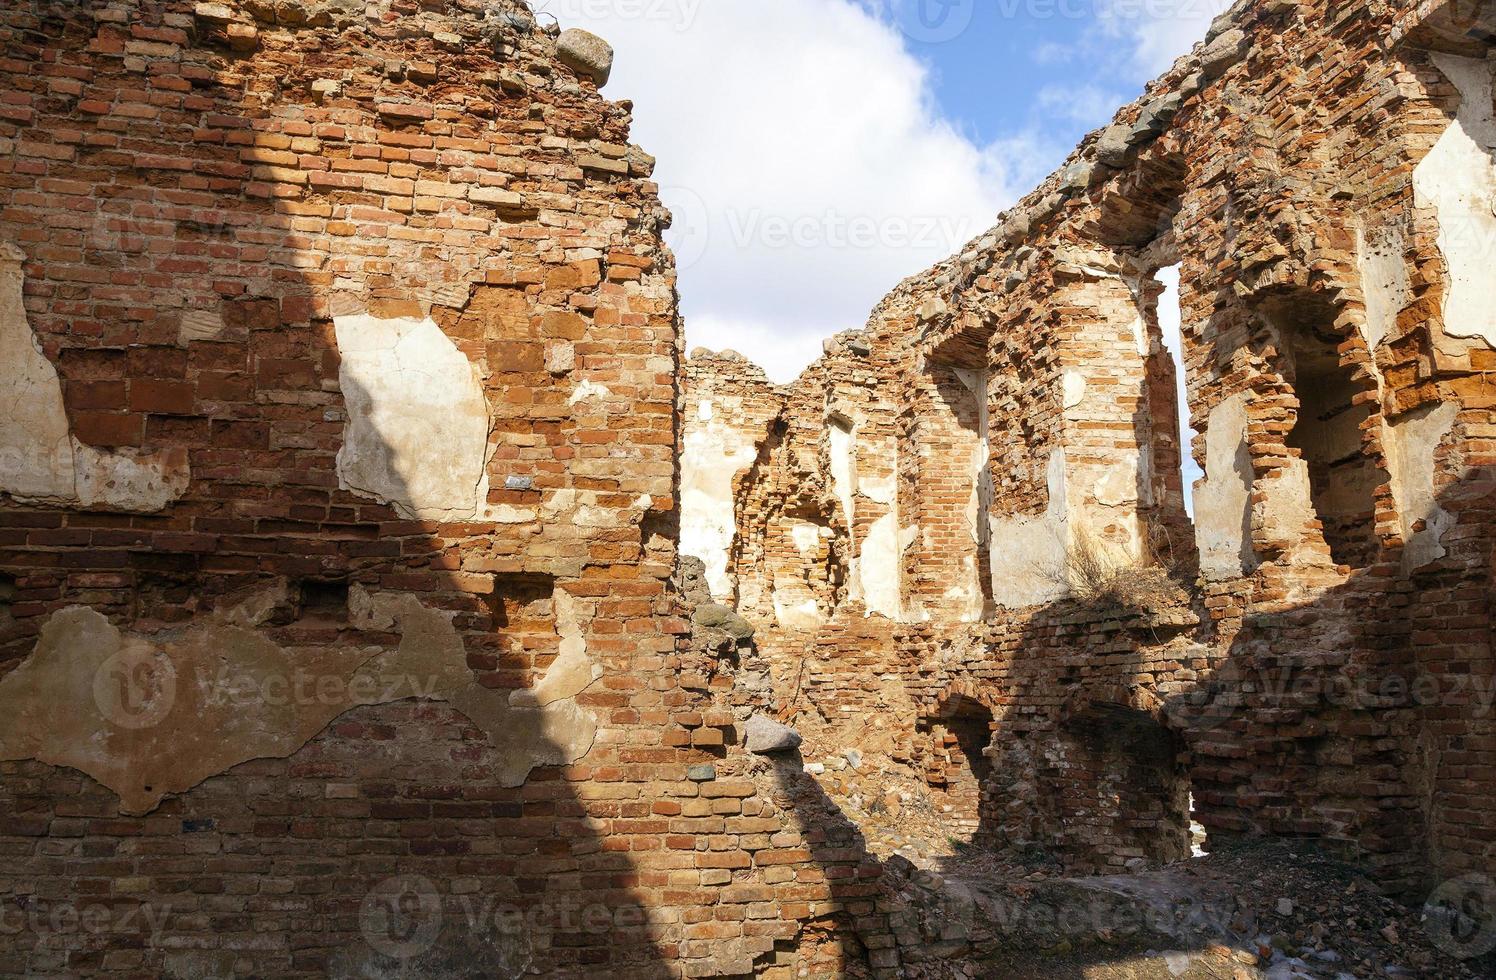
1158 31
1087 104
800 146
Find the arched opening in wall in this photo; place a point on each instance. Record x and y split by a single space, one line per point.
957 764
1124 777
953 576
1172 470
841 433
1333 407
1171 328
1137 218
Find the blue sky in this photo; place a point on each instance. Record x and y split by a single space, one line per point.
1004 75
816 152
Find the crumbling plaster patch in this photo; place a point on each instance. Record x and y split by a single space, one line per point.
1223 499
1030 554
1458 180
843 466
418 423
1075 388
874 575
878 565
714 455
795 604
1415 438
151 715
40 460
1385 284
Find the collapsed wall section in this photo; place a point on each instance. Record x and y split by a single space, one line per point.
340 625
1304 656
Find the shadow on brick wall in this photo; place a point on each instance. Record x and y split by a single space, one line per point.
173 288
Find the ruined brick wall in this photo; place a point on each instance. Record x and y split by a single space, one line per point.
1322 665
342 617
338 520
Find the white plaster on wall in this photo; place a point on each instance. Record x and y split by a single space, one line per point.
1223 514
844 468
1413 441
1140 326
879 491
1458 179
1384 283
150 715
714 455
795 606
1286 512
573 670
807 537
39 458
1120 480
589 390
418 424
879 567
1030 554
1075 389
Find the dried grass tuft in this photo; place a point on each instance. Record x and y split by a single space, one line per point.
1110 578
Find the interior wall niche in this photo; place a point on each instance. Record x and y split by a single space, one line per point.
953 577
7 599
1122 776
1343 479
164 596
957 764
843 448
802 560
1137 217
324 601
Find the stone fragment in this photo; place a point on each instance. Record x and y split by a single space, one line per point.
1077 177
713 616
215 13
1016 227
1155 118
765 736
703 773
1220 54
509 204
1115 147
586 54
242 37
560 357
